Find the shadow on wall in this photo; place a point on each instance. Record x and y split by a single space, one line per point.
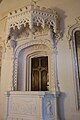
62 16
0 1
60 104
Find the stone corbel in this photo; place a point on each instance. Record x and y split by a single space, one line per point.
12 43
55 37
58 36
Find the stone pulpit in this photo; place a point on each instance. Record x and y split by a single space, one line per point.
32 34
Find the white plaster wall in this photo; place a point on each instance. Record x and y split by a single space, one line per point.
68 11
6 80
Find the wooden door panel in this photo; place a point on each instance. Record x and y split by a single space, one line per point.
39 71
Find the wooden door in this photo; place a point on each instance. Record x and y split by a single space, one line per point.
39 71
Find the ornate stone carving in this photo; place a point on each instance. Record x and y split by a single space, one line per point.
41 29
35 17
34 46
49 107
30 105
32 23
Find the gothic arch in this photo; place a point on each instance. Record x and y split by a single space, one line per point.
72 40
36 47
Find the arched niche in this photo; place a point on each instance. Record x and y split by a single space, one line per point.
22 63
74 40
33 37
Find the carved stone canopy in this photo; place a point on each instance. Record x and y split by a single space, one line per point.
31 17
42 27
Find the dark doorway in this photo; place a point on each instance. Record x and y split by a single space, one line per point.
39 74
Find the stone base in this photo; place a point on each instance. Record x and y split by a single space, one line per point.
30 106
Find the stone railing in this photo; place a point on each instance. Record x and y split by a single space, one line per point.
30 106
